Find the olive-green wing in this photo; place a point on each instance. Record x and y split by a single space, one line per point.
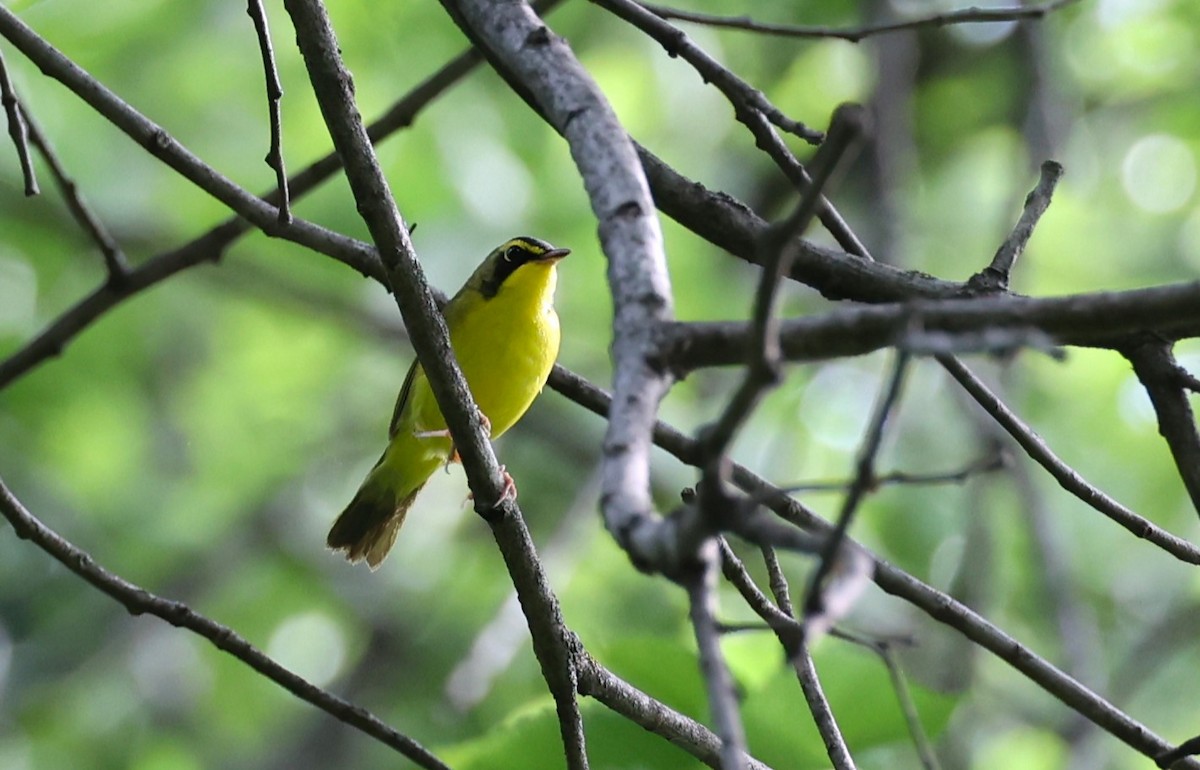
402 399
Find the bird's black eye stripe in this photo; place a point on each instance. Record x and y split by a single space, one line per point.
514 254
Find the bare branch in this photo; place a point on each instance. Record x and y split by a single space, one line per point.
995 276
816 609
1110 320
166 148
210 246
274 157
606 687
535 61
818 705
988 463
974 15
139 601
114 258
17 130
1154 363
722 700
762 371
750 107
1064 474
937 604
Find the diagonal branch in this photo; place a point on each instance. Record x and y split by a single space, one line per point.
995 276
155 140
17 129
139 601
1067 477
750 107
115 261
1155 366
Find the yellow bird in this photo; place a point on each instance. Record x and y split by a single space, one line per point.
505 336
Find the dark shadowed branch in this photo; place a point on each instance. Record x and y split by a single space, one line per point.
138 601
274 157
1166 382
17 130
1067 477
995 276
115 261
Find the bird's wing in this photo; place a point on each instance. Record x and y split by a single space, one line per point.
402 399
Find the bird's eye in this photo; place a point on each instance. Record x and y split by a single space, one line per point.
512 253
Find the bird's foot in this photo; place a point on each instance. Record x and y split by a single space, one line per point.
510 488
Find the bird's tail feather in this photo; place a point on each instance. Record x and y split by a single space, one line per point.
367 528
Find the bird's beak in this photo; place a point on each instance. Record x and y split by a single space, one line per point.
553 255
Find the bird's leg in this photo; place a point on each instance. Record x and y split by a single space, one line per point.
510 488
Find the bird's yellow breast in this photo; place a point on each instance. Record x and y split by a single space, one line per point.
505 346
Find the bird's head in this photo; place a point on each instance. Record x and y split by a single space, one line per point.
509 258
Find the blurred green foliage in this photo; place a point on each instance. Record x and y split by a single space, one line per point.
199 439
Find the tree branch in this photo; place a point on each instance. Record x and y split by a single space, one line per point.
138 601
115 261
1102 319
1064 474
274 157
974 15
1155 366
553 644
155 140
995 276
17 130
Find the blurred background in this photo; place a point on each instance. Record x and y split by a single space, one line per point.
200 439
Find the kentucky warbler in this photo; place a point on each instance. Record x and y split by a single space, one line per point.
504 333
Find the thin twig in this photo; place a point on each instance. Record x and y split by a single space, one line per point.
139 601
274 157
115 261
908 706
936 604
210 246
988 463
750 107
973 15
778 582
995 276
722 698
1067 477
160 144
815 604
818 706
17 130
763 364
